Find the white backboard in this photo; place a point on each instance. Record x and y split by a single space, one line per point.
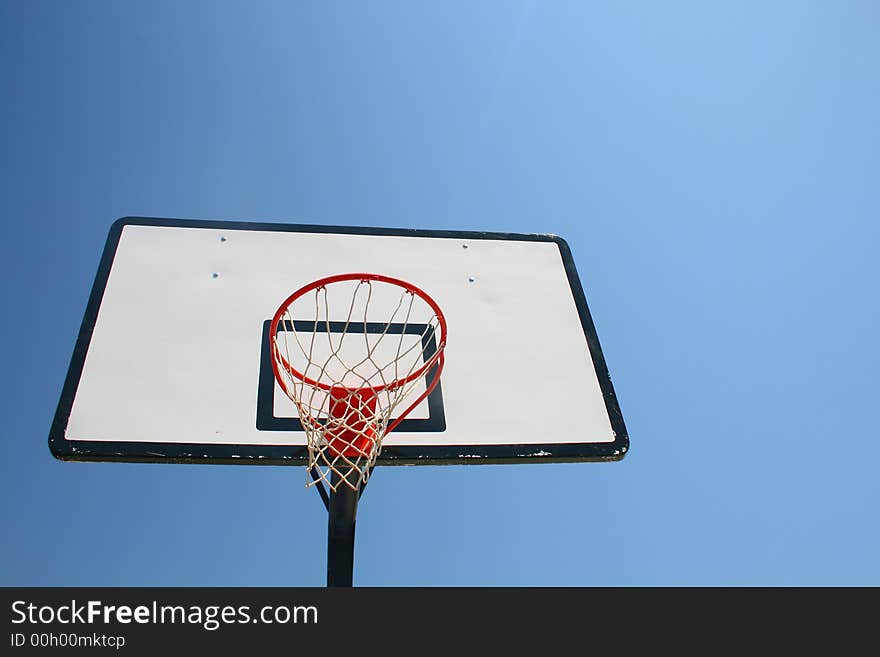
172 361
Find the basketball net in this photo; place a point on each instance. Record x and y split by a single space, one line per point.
349 351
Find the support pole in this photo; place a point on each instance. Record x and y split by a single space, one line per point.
340 534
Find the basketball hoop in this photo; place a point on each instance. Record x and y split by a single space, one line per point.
385 350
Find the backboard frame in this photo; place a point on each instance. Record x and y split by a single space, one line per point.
252 454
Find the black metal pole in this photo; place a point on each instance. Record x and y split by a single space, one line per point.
340 534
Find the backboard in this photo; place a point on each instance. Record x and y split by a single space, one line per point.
173 361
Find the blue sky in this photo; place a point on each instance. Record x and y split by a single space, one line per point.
713 166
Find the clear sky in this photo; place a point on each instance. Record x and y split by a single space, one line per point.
713 166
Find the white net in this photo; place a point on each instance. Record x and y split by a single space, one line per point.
355 356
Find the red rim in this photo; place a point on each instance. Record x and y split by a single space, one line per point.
436 359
